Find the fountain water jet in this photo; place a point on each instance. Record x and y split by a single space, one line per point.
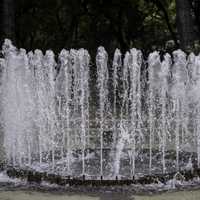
142 119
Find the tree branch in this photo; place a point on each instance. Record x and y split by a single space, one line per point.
162 8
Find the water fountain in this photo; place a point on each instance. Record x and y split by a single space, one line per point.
140 118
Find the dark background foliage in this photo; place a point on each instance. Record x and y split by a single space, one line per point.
144 24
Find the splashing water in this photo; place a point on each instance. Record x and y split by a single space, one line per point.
146 121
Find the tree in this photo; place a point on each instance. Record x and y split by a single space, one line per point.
7 19
185 23
57 24
161 5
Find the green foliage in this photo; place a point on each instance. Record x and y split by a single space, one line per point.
89 23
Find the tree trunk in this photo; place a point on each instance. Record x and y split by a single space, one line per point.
185 23
7 19
196 9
